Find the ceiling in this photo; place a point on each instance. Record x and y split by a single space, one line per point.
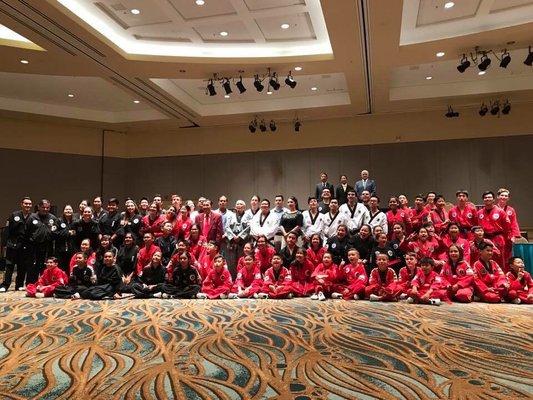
146 70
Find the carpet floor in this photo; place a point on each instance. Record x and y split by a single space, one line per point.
266 349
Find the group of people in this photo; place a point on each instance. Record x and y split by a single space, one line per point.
342 246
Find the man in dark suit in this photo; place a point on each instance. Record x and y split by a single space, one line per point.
323 184
341 191
210 223
365 184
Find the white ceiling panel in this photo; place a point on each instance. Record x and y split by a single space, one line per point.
237 32
500 5
189 10
433 11
150 13
255 5
300 27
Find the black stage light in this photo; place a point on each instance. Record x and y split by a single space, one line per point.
262 126
464 64
506 108
495 109
451 113
483 110
506 59
485 62
289 81
211 88
273 126
274 82
529 58
297 126
227 86
240 86
253 126
258 85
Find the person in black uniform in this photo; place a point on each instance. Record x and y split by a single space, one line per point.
108 281
130 221
17 250
147 282
183 284
80 278
109 223
127 255
339 244
166 242
65 245
86 228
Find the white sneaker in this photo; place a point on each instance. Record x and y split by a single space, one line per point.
403 296
158 295
201 296
355 297
233 296
434 302
76 296
290 296
374 297
39 295
410 300
336 295
21 289
314 297
476 298
321 296
262 295
3 289
516 301
223 296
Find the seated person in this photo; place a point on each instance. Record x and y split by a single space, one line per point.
520 283
50 279
277 283
326 276
217 283
427 287
382 282
81 277
108 281
148 280
248 281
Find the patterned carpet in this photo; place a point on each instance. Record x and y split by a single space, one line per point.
297 349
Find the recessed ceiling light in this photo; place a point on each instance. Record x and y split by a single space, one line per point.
200 2
70 95
226 96
285 26
135 11
314 88
482 72
429 78
440 54
297 68
24 61
269 92
449 4
136 101
223 33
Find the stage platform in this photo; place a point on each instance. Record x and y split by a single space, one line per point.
262 349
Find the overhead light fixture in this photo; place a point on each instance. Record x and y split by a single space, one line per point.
70 95
297 125
273 82
136 101
464 64
211 88
24 62
451 113
428 78
441 54
200 2
272 125
240 85
253 126
529 59
495 108
135 11
298 68
258 85
449 4
285 26
289 81
227 86
482 72
314 88
483 110
485 62
262 126
506 107
506 59
224 33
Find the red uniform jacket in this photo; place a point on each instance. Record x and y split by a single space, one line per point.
467 218
53 277
353 274
283 278
491 277
511 214
183 227
447 241
196 248
302 274
402 217
249 278
474 251
405 277
525 284
429 248
430 281
438 218
494 222
315 257
462 276
375 278
205 265
419 218
153 226
332 273
215 230
264 257
216 283
144 257
240 263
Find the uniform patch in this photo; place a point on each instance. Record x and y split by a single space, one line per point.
258 276
136 221
54 228
184 226
50 221
469 215
509 213
334 245
389 253
455 215
481 216
495 216
239 276
35 222
192 277
402 215
63 225
17 218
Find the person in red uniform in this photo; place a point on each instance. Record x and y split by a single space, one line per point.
422 245
181 247
490 282
85 247
218 283
207 260
451 237
406 275
144 257
427 287
439 215
152 221
396 215
326 276
478 238
520 283
248 281
495 224
419 214
210 222
464 213
459 275
197 242
316 250
301 269
503 199
382 285
277 283
248 249
430 200
52 277
353 278
264 253
184 222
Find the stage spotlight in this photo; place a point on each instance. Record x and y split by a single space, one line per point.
529 58
274 82
495 109
289 81
506 107
227 86
262 126
464 64
451 113
485 62
240 86
297 125
273 126
253 126
258 85
211 88
506 59
483 110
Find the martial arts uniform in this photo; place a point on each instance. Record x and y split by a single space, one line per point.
130 224
108 283
440 219
127 258
429 248
266 225
466 218
98 215
405 279
249 279
152 225
383 284
425 282
91 261
264 257
315 257
497 227
184 283
65 244
288 255
461 275
80 278
39 235
149 276
489 276
364 247
326 279
323 208
311 224
398 217
418 218
86 230
237 233
338 248
18 250
182 227
281 280
520 288
197 247
352 281
228 218
379 218
167 244
394 260
47 283
330 223
217 284
109 224
144 257
205 265
447 242
474 250
514 233
303 283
